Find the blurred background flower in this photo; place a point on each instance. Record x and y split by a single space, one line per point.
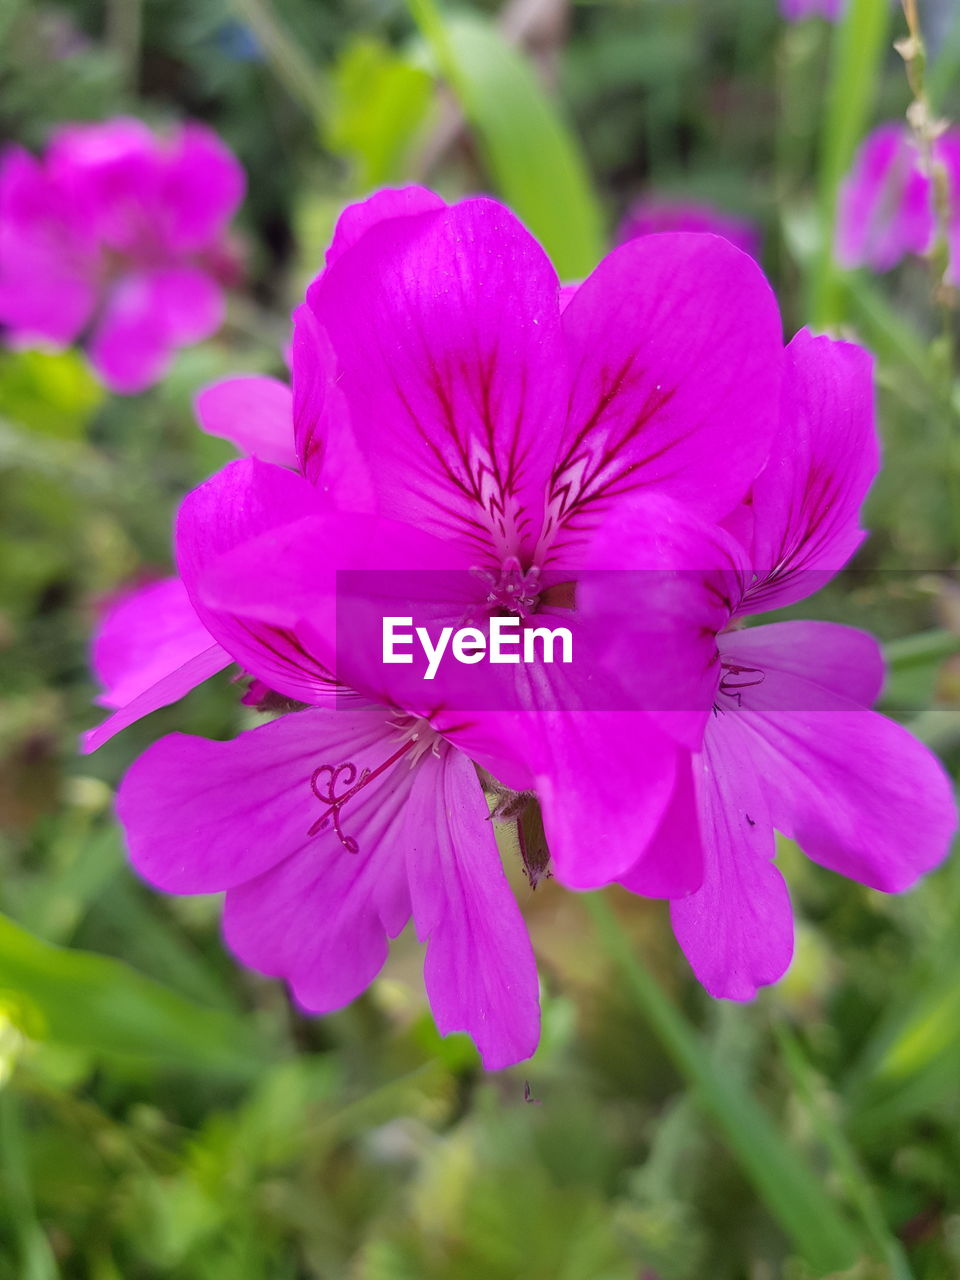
118 234
650 215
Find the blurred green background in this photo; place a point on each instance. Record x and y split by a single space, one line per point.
164 1114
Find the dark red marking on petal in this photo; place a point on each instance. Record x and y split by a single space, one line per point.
346 772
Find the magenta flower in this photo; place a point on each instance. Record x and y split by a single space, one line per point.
117 237
797 10
791 744
649 215
947 154
886 203
448 420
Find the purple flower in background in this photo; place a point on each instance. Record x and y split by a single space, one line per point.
651 215
886 202
887 206
947 154
792 745
796 10
118 237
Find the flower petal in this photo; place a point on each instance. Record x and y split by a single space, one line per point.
479 970
676 358
146 317
604 779
806 502
168 688
246 499
150 650
255 413
202 816
671 866
659 585
856 791
842 659
445 329
947 154
146 634
390 202
47 268
201 187
332 578
737 929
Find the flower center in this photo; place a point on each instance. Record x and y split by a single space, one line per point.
417 737
513 590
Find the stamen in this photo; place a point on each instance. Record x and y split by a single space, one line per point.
513 588
347 772
734 688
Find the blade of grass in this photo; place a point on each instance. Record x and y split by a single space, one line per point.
535 161
792 1192
911 1062
858 1187
859 45
37 1261
96 1003
293 68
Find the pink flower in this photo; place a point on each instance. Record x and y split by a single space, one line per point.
886 203
458 432
117 237
651 215
791 744
796 10
947 154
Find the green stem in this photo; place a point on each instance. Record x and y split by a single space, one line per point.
858 1187
859 46
790 1189
124 19
293 67
36 1257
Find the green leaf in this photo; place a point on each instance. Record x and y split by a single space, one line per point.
37 1261
99 1004
860 43
810 1091
379 102
786 1184
55 395
531 154
913 665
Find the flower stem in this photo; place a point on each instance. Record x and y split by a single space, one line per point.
293 67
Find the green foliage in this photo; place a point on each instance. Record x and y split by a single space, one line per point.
90 1002
380 102
532 157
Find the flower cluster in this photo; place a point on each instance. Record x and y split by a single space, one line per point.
118 236
639 457
888 202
